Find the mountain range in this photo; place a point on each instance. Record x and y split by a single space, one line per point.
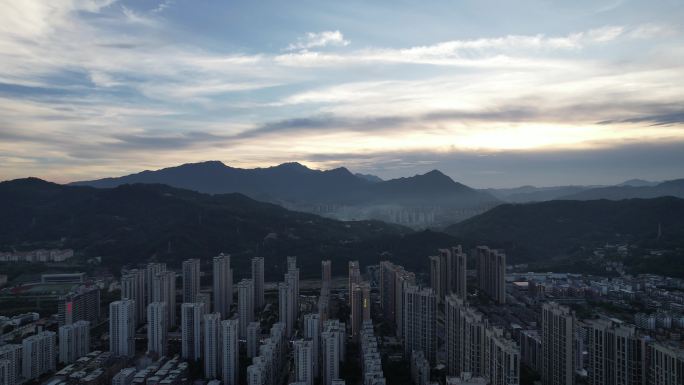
136 222
423 200
673 188
429 200
528 193
633 188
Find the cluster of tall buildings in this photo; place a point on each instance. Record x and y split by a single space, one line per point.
320 351
317 355
149 295
333 350
410 308
474 346
267 366
74 341
394 279
214 337
617 353
491 273
35 356
39 353
371 364
448 272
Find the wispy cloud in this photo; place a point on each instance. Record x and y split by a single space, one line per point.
163 5
505 51
319 40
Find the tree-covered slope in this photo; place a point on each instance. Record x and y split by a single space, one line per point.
537 231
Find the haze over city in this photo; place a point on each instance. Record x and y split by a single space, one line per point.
493 95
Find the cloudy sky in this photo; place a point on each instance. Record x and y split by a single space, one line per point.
492 93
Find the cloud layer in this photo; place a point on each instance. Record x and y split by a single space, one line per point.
93 88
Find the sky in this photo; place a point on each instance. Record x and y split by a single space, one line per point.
492 93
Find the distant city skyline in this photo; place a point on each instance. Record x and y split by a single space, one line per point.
494 95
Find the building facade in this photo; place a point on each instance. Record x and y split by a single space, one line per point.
157 329
191 280
360 307
222 285
303 361
258 280
558 331
491 273
326 272
122 328
230 351
74 341
133 287
38 355
420 322
245 305
192 315
164 290
212 346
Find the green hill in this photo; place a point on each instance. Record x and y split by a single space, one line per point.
537 232
133 223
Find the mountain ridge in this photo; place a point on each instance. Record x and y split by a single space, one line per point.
337 192
674 187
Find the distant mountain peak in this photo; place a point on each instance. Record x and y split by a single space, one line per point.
436 177
293 166
432 182
205 165
340 170
637 183
435 174
29 181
